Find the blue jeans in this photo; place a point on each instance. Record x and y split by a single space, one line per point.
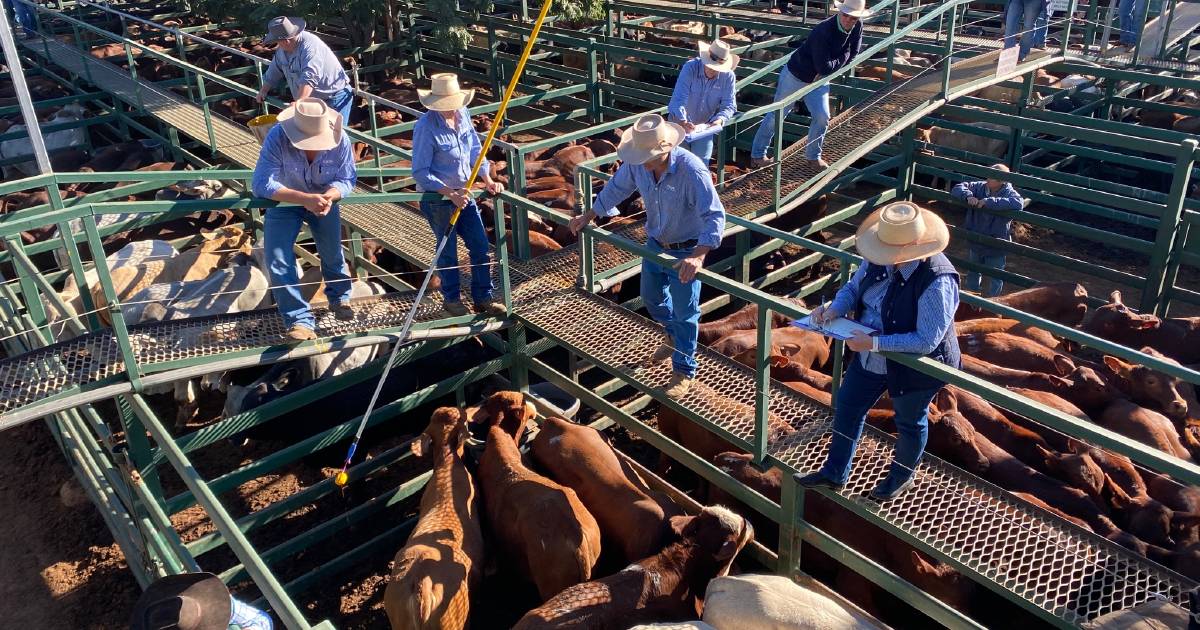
973 279
342 102
24 16
1021 16
701 148
817 102
675 305
1132 14
470 228
1041 27
281 226
859 391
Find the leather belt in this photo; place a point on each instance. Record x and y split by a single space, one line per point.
680 245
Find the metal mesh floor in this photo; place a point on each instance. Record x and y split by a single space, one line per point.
1069 574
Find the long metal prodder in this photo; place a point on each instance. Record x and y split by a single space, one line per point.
343 477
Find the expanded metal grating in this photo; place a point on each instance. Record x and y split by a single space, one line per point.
1070 574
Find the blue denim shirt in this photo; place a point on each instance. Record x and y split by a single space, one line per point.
698 99
443 157
935 314
281 165
980 221
313 63
682 206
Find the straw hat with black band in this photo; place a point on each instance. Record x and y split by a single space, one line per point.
191 601
854 8
649 137
311 125
445 94
283 27
717 56
901 232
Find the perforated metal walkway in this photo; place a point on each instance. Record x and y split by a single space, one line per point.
1066 574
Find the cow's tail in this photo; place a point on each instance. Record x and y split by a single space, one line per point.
426 603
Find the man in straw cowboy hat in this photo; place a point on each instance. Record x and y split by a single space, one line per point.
308 64
831 44
445 147
684 220
705 94
981 196
194 601
307 165
907 291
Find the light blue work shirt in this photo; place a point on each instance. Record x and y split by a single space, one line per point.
282 165
698 99
312 63
443 156
935 313
682 206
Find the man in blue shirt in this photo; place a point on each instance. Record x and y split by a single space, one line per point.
194 601
684 220
830 45
908 292
705 95
445 147
980 197
306 162
308 64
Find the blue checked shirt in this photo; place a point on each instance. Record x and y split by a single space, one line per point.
282 165
313 63
698 99
935 314
443 157
682 206
245 617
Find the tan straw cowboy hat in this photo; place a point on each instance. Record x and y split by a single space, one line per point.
717 56
283 27
650 136
190 601
901 232
854 8
446 95
311 125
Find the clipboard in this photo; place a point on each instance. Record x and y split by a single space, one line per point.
703 130
840 328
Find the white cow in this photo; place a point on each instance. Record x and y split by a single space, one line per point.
61 139
774 602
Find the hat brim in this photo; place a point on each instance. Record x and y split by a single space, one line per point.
631 154
728 65
861 13
300 24
330 136
935 240
205 588
447 102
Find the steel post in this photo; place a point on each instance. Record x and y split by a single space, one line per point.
762 385
1168 226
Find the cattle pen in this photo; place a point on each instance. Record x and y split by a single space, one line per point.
1112 204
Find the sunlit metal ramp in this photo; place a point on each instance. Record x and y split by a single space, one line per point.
1062 573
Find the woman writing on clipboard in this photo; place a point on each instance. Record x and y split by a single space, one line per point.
907 290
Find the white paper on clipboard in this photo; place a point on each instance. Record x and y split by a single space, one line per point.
701 131
840 328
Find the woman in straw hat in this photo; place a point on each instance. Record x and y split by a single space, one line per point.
308 64
194 601
907 291
705 94
306 163
831 45
684 220
445 147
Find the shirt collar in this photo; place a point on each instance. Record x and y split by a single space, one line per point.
838 20
673 160
443 124
906 269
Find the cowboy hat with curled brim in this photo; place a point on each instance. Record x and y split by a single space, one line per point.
191 601
311 125
649 137
283 27
901 232
717 56
445 94
854 8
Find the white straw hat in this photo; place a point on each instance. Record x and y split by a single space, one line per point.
717 56
854 8
650 136
311 125
446 95
901 232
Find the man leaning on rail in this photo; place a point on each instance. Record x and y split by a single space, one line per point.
993 193
907 291
684 220
308 64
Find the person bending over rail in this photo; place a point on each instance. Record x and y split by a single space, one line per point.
908 291
980 197
831 45
306 162
445 147
308 64
684 220
194 601
705 94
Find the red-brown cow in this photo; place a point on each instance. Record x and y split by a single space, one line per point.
1013 327
1010 377
1016 352
745 318
987 420
1178 337
701 441
1171 395
1063 302
804 347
